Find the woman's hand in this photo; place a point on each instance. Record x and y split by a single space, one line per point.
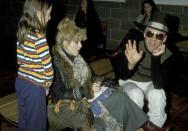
133 56
159 51
47 92
47 85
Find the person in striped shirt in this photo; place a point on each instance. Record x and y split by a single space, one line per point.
35 71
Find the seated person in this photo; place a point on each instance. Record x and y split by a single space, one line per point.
136 33
145 76
147 7
73 82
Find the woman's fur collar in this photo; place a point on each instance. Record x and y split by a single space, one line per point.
77 73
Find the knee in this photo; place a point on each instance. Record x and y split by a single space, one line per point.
129 87
137 96
136 93
156 94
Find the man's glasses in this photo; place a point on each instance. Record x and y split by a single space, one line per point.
158 36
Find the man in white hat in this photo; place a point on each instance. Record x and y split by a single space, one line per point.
140 70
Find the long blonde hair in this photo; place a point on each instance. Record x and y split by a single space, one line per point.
29 21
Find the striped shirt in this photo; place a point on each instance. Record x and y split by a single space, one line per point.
34 60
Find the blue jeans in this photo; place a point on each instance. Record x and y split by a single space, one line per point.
32 106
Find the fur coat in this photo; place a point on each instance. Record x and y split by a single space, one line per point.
75 73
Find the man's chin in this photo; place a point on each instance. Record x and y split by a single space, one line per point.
150 50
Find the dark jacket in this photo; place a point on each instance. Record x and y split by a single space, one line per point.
151 68
66 85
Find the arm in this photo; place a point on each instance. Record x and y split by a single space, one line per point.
129 60
139 18
172 68
156 72
157 75
45 57
60 89
124 72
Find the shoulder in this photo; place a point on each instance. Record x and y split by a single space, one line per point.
139 18
166 55
35 36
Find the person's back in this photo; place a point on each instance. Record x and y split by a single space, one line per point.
35 71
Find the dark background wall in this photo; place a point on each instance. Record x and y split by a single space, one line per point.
119 15
10 14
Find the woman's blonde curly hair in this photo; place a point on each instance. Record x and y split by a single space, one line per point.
67 30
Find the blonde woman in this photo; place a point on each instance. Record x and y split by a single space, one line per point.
112 110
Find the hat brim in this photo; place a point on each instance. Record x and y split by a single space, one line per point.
158 26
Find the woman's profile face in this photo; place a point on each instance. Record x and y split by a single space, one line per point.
147 8
73 48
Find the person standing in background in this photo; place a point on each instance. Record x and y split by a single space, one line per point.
35 71
148 6
136 33
88 18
